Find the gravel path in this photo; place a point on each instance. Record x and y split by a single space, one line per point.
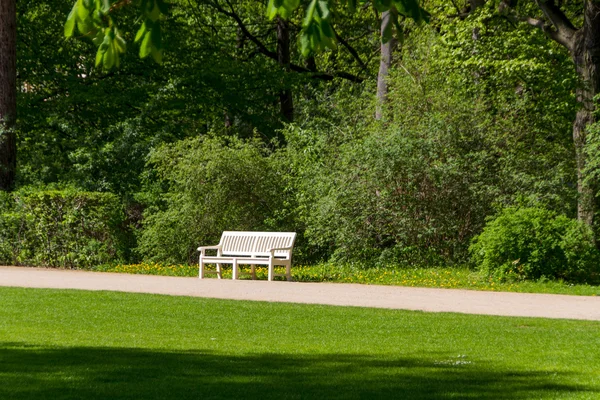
339 294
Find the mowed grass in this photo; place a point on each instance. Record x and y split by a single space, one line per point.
68 344
450 278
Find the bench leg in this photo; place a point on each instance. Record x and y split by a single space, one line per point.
253 271
219 272
235 271
271 270
201 268
288 272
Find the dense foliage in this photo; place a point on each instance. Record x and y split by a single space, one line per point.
204 186
416 188
478 117
61 228
532 242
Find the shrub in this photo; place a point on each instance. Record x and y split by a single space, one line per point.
414 188
391 197
393 193
203 186
534 243
61 228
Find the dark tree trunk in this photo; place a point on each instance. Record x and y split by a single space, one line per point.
8 93
385 63
283 57
586 55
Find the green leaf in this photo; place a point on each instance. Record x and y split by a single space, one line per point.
140 33
84 26
109 58
310 11
120 44
105 43
315 38
154 14
157 55
98 38
82 11
70 24
328 41
324 9
271 9
305 44
326 29
146 46
97 18
411 9
99 55
285 8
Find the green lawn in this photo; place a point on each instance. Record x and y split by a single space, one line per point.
67 344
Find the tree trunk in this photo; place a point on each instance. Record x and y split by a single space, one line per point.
384 66
283 57
8 93
586 55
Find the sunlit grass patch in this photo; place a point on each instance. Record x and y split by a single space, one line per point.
71 344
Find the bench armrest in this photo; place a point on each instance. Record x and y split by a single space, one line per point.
203 249
273 250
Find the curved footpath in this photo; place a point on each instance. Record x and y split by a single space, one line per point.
339 294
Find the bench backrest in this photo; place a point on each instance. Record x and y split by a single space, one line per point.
255 244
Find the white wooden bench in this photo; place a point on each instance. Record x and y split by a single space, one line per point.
251 248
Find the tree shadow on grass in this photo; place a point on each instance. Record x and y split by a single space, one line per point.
30 372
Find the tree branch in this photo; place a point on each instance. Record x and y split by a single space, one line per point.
231 14
564 30
350 49
272 55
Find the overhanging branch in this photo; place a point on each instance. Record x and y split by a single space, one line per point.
563 32
272 55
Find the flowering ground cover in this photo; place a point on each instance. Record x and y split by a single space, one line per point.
69 344
457 277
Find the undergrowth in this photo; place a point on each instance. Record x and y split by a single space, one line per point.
441 277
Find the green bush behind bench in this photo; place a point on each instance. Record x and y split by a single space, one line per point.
61 228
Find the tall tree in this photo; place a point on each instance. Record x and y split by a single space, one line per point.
385 62
583 45
8 93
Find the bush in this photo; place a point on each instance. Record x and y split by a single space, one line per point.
61 228
204 186
414 188
534 243
389 198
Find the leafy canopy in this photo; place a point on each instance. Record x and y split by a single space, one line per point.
95 19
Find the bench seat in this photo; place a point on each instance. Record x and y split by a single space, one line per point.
250 248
